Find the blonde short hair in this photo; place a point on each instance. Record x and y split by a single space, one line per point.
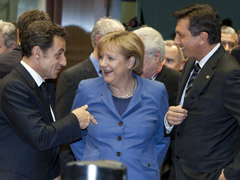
126 43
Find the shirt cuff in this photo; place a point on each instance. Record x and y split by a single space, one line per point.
167 125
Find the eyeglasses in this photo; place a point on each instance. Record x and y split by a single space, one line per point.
230 44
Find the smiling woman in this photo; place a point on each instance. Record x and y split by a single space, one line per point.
129 110
120 53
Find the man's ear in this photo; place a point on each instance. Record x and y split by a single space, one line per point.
131 62
13 45
203 37
98 37
36 52
157 56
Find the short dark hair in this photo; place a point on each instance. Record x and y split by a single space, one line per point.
40 33
30 16
202 18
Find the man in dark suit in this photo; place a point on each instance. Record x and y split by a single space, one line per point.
30 136
10 59
236 53
70 78
207 119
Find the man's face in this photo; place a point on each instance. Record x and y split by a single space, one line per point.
184 39
229 42
150 67
171 58
53 59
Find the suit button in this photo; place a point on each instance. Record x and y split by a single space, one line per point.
178 134
177 158
118 154
149 165
120 123
119 138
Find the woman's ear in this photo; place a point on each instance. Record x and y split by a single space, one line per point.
131 62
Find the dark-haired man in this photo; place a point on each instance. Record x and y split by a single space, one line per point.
207 119
30 136
10 59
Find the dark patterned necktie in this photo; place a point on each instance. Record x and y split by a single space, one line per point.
196 69
44 92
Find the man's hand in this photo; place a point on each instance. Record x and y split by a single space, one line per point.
176 115
222 177
84 117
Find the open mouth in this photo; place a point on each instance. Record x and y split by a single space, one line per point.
106 72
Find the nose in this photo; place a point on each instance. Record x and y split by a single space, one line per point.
227 48
176 40
102 62
63 61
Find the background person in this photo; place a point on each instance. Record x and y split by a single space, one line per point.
173 57
11 59
129 110
152 63
229 38
8 36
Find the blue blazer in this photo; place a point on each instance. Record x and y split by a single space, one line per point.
136 138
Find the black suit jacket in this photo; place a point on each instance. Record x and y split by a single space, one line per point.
208 139
9 60
29 138
236 53
68 84
170 79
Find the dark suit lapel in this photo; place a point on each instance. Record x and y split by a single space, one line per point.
203 78
35 89
161 75
89 70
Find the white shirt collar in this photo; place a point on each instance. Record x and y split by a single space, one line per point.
206 58
37 78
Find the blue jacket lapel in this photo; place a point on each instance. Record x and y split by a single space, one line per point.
107 99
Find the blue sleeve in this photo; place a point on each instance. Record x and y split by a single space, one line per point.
162 143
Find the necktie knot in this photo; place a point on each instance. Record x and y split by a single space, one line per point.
196 68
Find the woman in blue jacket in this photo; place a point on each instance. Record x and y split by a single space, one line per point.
129 110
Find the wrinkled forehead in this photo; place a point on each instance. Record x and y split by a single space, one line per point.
229 37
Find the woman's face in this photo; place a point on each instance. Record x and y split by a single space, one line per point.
116 69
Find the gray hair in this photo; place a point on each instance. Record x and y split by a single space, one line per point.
170 43
9 32
229 30
103 26
152 40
